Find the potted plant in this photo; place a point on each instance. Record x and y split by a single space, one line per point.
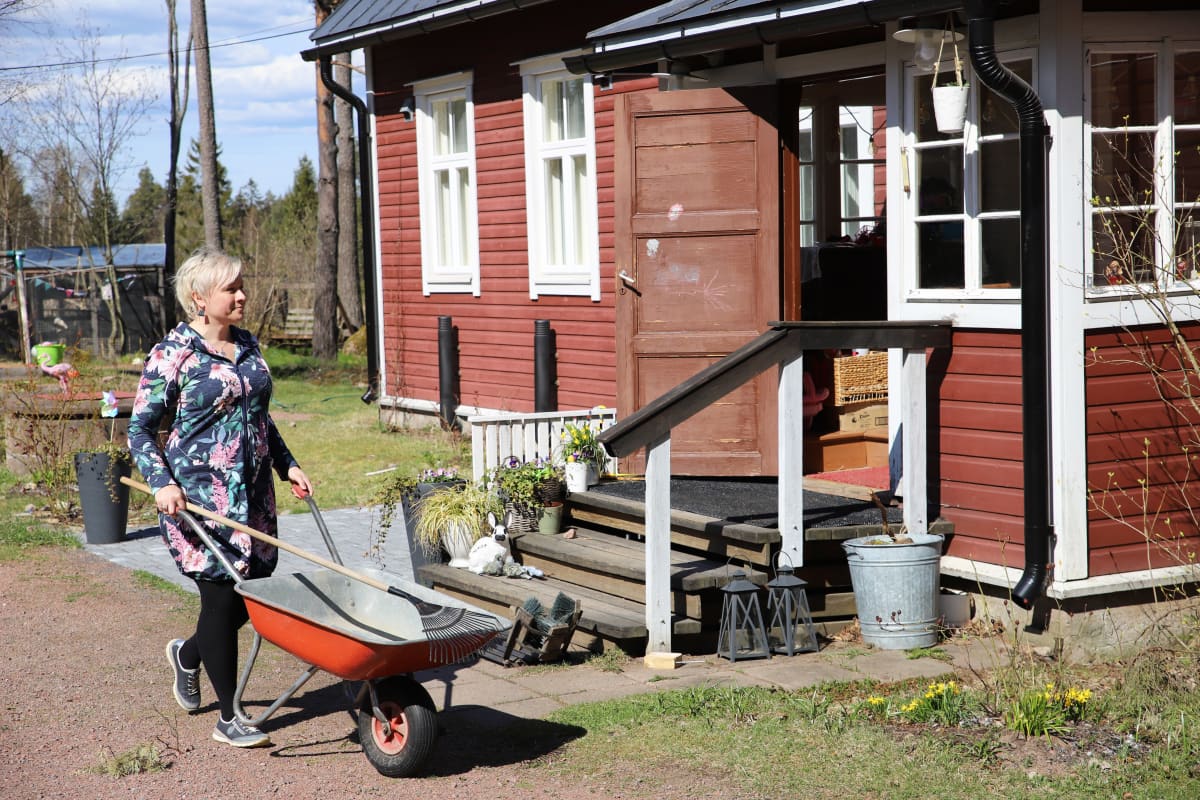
453 520
519 484
950 100
581 453
98 470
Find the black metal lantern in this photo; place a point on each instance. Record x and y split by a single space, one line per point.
742 634
787 605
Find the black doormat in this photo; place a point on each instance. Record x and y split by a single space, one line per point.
753 501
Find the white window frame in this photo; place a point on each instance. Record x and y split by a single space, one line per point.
973 290
436 277
859 119
1163 128
582 279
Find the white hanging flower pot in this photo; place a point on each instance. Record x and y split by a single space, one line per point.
950 107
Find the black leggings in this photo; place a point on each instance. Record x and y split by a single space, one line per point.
215 643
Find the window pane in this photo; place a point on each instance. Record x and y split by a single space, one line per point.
940 172
1187 244
849 139
460 224
552 111
997 115
579 164
940 255
573 108
440 111
449 126
442 205
1187 166
554 212
1122 248
1001 253
1122 89
1187 88
805 155
1000 175
458 114
1123 168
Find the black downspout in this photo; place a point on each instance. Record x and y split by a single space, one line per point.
1035 296
545 370
448 384
367 215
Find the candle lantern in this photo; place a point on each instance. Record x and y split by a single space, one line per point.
742 633
791 627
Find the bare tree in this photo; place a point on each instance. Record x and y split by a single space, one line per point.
86 123
209 191
179 101
11 89
324 342
349 290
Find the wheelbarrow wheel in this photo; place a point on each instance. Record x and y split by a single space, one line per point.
412 719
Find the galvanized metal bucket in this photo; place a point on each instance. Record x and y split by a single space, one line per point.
896 589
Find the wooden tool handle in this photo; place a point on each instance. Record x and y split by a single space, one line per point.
265 537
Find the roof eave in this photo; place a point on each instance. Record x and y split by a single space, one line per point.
415 25
710 34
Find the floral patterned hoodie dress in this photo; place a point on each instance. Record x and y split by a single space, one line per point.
221 447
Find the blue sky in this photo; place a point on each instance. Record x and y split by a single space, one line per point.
264 92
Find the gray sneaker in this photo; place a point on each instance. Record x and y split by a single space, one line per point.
239 734
187 681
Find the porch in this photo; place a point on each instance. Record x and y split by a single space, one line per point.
649 556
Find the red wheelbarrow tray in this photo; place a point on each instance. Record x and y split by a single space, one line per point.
351 629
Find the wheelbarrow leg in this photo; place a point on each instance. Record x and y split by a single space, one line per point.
245 679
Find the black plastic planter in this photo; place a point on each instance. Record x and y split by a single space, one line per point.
104 498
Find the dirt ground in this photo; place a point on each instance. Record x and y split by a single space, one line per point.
83 678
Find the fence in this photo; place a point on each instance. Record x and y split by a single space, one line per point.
495 437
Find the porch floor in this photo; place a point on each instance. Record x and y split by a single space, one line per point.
755 501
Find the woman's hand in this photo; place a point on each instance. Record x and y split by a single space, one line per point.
170 500
301 485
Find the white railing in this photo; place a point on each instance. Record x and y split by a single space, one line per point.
496 437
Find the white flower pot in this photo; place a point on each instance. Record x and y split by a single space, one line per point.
457 541
576 474
950 107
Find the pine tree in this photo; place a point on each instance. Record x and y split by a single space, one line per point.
142 220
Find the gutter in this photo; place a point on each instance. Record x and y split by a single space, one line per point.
367 214
707 34
391 30
1035 297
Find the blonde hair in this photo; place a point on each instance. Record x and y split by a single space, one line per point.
205 270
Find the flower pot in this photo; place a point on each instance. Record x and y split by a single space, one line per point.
457 541
950 107
577 476
593 474
48 354
954 608
550 518
522 519
896 589
104 498
426 488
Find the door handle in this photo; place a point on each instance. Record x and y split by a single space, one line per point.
627 278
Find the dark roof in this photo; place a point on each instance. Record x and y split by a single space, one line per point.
361 23
683 28
75 257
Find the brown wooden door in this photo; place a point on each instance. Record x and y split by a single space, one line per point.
697 266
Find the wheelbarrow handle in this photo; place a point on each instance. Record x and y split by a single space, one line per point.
282 545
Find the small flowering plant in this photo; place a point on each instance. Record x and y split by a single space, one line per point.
579 442
1047 712
943 703
439 475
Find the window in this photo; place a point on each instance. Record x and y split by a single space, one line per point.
963 190
1143 119
560 184
446 183
859 172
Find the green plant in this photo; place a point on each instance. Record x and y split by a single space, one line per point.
519 481
943 703
466 506
579 441
141 759
1047 712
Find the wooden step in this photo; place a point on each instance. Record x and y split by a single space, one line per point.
605 618
617 565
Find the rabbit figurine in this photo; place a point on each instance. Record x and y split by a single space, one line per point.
491 553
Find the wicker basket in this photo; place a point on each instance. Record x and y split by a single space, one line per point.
859 378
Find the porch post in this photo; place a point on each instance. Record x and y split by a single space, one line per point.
914 441
658 545
791 458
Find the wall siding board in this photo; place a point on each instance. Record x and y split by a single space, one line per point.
1141 453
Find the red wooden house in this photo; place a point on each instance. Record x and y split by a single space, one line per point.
661 183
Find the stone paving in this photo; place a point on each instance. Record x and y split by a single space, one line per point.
487 689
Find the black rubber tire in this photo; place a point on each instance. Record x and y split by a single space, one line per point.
413 717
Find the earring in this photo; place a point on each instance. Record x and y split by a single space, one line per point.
204 314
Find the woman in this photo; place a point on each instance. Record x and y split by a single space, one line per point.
209 379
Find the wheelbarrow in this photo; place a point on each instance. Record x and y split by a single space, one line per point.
362 629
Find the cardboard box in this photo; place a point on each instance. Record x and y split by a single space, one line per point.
862 416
